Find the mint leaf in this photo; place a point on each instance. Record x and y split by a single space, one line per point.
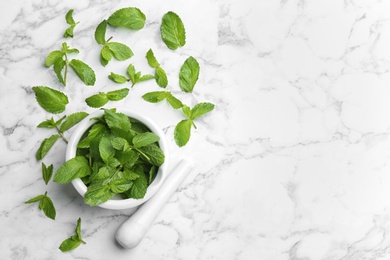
105 56
106 149
172 31
201 109
117 120
119 50
145 77
47 206
189 73
117 95
97 100
100 32
102 174
120 185
72 120
187 111
152 59
120 143
97 193
58 67
127 158
85 73
95 131
46 145
139 187
74 241
47 172
53 57
135 76
155 96
161 77
49 123
53 101
153 154
117 78
145 139
129 17
74 168
174 102
69 17
182 132
69 31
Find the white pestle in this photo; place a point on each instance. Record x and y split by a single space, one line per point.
132 231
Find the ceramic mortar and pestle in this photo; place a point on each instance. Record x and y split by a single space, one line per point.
144 210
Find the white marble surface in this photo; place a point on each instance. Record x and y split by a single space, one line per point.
292 164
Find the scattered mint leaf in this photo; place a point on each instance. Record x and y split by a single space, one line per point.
117 78
85 73
189 73
47 172
45 204
174 102
77 167
72 120
182 132
201 109
46 145
74 241
49 123
135 76
97 100
187 111
53 101
69 17
129 17
145 139
161 77
158 96
117 95
152 59
172 31
100 32
58 67
106 54
53 57
119 51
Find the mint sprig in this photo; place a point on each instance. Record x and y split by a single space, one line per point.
73 241
60 62
69 20
102 98
45 204
157 96
159 74
110 49
133 76
182 131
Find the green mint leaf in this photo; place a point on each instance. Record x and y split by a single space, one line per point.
35 199
102 174
69 17
59 121
120 143
154 154
100 32
145 77
201 109
174 102
97 100
47 206
49 123
152 59
119 50
72 120
117 78
53 101
69 31
105 56
145 139
131 72
189 73
172 31
152 173
129 174
85 73
117 120
161 77
53 57
155 96
106 149
182 132
47 172
127 158
58 67
129 17
74 168
78 229
187 111
117 95
95 131
97 193
139 187
69 244
120 185
46 145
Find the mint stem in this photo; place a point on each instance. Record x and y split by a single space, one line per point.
109 39
193 123
61 135
66 70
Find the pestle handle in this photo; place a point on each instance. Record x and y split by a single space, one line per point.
132 231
